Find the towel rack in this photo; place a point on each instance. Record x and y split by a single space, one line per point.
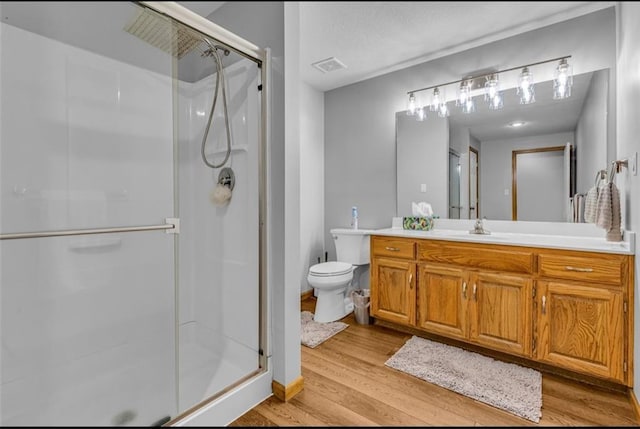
619 164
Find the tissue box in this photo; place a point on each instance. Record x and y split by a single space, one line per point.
417 223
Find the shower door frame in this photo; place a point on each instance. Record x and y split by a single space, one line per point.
262 57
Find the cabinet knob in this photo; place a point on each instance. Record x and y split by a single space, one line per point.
464 290
392 249
410 278
475 295
544 304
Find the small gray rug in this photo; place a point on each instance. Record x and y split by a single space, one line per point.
314 333
507 386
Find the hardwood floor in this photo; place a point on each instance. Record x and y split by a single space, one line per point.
347 384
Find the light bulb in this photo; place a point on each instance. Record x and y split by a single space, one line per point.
525 87
443 110
563 80
435 100
492 92
411 108
464 94
421 114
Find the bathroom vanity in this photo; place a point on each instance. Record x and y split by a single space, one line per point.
560 301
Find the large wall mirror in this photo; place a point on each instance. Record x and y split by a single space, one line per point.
521 162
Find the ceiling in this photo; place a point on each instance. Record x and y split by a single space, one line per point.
202 8
374 38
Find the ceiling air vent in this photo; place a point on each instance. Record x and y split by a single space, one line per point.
329 65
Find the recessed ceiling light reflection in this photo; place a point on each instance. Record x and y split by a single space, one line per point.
516 124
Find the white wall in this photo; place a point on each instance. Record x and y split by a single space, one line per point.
360 150
591 131
311 180
628 130
495 170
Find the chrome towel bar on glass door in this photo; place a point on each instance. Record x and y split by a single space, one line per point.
172 226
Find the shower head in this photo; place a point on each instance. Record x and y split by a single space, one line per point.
162 33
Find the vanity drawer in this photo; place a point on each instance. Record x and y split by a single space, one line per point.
600 268
395 248
516 260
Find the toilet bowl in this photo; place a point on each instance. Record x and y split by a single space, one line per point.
332 279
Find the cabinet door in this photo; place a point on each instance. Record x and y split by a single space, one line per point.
500 312
393 296
442 300
581 328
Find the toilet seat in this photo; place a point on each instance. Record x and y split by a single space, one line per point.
330 269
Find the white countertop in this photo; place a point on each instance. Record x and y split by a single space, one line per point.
581 242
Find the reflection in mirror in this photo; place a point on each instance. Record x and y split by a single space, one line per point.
555 144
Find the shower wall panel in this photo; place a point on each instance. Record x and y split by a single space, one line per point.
219 244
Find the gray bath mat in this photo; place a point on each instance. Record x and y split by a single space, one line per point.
313 333
507 386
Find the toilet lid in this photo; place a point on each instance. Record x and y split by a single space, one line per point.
326 269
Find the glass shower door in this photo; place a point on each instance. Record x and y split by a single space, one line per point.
87 320
218 262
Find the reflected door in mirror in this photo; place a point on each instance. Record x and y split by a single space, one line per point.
537 174
454 186
474 167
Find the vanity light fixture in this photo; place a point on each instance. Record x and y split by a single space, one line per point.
411 107
439 103
492 94
421 113
526 91
563 79
436 100
465 101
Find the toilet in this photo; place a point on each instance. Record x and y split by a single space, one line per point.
331 279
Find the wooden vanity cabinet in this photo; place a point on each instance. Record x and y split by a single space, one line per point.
393 271
480 294
394 297
443 300
564 308
583 314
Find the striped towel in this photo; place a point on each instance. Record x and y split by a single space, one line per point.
591 203
608 214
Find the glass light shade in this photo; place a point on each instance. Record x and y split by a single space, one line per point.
492 94
411 106
563 80
421 113
436 100
443 110
496 103
525 87
464 94
465 101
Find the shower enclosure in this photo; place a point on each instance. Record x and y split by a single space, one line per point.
130 292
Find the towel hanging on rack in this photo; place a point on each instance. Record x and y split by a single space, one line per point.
591 199
577 208
608 215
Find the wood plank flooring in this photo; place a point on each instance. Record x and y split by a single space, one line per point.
347 384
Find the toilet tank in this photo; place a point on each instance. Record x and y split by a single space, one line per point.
352 245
